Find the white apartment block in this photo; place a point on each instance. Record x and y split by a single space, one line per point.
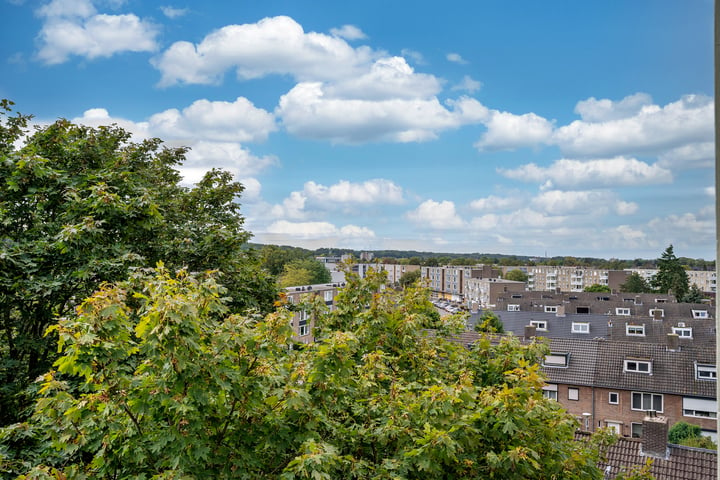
566 279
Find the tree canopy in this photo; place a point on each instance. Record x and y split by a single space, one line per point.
671 275
306 271
596 287
81 206
516 275
157 379
634 283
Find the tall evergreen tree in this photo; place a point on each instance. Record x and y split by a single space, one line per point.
671 276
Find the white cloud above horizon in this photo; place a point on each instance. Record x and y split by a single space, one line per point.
73 27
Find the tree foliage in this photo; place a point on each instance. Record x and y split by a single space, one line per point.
306 271
81 206
596 287
516 275
157 379
634 283
671 275
489 322
408 278
693 295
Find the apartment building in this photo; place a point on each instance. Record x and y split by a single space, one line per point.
302 322
395 271
481 293
449 282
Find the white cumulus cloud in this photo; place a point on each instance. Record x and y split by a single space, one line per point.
455 58
238 121
436 215
276 45
314 230
565 173
603 110
172 12
506 131
73 27
306 112
467 84
348 32
652 129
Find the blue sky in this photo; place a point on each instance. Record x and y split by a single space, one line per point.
514 126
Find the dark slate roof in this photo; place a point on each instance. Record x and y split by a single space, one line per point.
558 326
656 331
673 372
581 362
683 463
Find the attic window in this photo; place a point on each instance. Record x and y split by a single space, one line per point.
516 295
635 330
580 327
583 310
550 308
700 314
658 311
539 324
706 372
513 307
556 359
660 300
622 311
683 332
638 366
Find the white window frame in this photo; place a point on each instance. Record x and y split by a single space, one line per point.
540 325
556 360
635 330
304 330
643 396
683 332
610 398
513 307
551 308
623 312
580 327
550 391
328 295
700 314
634 365
706 372
653 310
699 407
573 393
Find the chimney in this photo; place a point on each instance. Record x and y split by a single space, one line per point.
655 436
657 314
673 342
560 311
530 331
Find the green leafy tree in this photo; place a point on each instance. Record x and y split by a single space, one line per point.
489 322
671 276
409 278
694 295
596 287
304 272
690 435
634 283
516 275
274 258
157 379
81 206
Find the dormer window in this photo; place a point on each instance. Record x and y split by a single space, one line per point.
550 308
700 314
656 312
556 359
580 327
539 324
635 330
638 366
622 311
513 308
705 372
682 332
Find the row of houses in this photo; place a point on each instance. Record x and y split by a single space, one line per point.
618 361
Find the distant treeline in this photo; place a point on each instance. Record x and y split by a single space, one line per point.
412 257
